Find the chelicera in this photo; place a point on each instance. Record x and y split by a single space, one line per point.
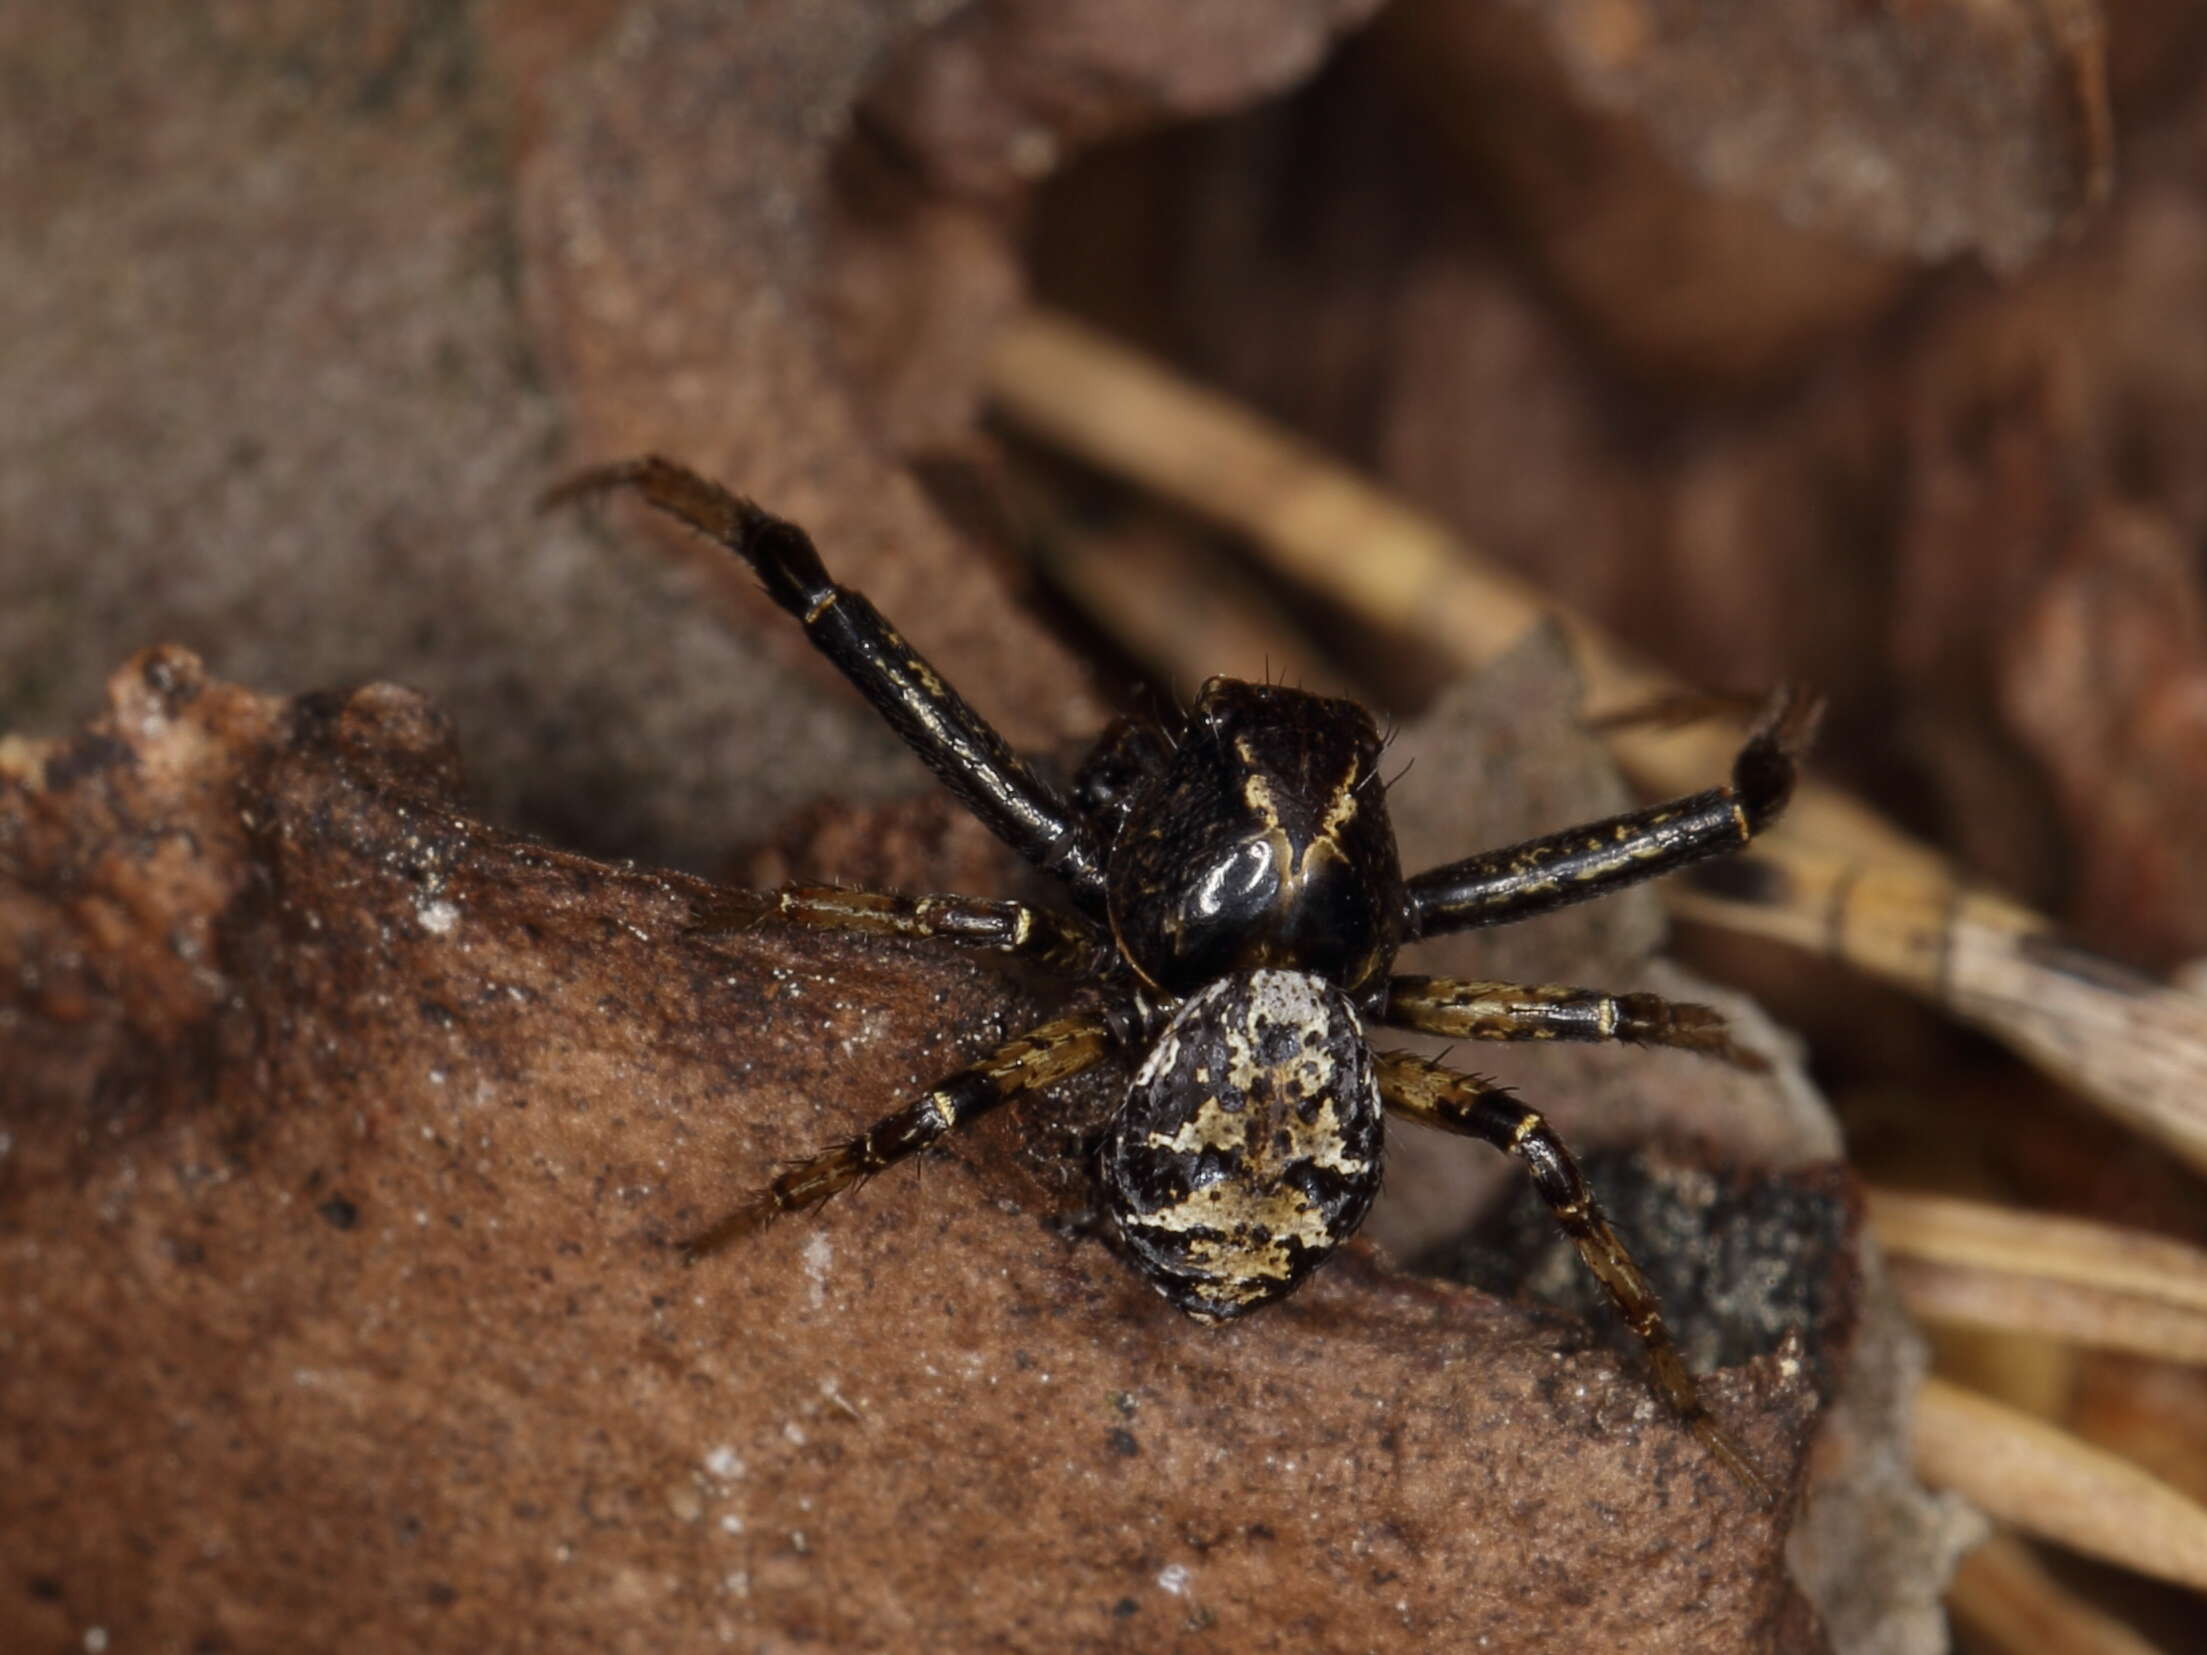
1234 907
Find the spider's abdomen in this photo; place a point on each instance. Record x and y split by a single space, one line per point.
1249 1145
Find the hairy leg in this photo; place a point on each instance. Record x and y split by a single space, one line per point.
973 761
1053 1052
1518 881
1548 1011
1423 1091
1012 928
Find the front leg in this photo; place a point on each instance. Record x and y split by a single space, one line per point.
1463 1010
1519 881
1059 941
1056 1051
973 761
1423 1091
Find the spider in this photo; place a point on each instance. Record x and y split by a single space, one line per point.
1235 906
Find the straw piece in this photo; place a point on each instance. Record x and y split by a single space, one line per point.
1959 1296
2046 1482
1970 1264
2003 1594
1949 1230
2135 1047
1183 619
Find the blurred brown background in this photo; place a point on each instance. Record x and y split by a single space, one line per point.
1851 342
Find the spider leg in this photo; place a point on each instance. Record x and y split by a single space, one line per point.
1424 1091
1058 940
1549 1011
1521 880
1053 1052
973 761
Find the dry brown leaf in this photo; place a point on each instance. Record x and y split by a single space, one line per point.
345 1136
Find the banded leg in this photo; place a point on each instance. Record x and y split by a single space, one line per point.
1423 1091
1013 928
1579 863
1548 1011
1055 1051
973 761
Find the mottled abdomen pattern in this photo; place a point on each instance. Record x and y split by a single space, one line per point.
1249 1145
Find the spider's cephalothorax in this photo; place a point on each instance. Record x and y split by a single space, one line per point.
1262 841
1252 877
1236 903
